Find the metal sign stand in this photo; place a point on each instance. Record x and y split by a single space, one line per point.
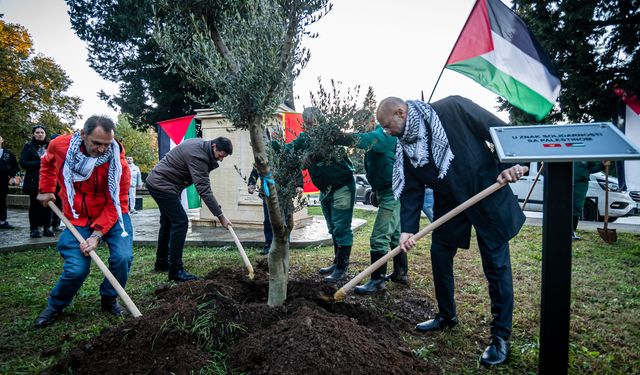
558 146
556 268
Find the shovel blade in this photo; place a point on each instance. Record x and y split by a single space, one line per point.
608 235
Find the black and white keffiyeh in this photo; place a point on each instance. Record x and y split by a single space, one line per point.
79 167
414 144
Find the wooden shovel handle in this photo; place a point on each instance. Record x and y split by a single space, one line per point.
247 263
342 292
105 270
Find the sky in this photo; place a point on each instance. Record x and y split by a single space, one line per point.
398 47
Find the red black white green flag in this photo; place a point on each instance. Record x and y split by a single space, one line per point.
170 134
497 50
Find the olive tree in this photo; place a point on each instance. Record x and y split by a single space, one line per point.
248 53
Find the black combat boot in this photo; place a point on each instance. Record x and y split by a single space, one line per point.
378 277
111 305
342 263
329 269
400 269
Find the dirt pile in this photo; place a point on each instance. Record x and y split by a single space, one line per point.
227 313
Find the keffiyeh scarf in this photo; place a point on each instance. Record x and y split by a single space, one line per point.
414 144
79 167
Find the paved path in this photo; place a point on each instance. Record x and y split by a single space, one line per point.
146 225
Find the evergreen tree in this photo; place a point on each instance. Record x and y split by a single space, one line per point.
595 45
122 50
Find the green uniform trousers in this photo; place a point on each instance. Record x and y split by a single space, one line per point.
337 208
386 228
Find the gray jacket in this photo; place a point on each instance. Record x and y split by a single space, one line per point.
188 163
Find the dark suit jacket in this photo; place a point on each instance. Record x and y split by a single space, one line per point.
498 217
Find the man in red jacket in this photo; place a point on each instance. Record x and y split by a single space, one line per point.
93 175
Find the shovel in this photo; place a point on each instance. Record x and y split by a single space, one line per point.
524 204
105 270
247 263
608 235
341 294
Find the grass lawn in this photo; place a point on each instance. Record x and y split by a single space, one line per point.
605 322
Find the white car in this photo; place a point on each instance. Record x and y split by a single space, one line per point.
620 203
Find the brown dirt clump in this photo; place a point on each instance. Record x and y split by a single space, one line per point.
227 313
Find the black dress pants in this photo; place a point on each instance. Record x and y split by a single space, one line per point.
496 264
39 215
174 224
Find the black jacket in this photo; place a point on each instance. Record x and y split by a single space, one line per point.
498 217
30 162
8 164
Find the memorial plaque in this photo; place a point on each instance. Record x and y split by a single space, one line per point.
557 143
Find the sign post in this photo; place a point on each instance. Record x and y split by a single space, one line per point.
558 146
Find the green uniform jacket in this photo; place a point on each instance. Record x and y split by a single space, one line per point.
326 173
379 158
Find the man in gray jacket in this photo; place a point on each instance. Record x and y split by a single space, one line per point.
188 163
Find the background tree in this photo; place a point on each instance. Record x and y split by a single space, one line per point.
142 145
122 50
595 45
32 89
249 53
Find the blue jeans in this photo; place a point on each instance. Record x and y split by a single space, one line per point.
427 205
266 224
76 265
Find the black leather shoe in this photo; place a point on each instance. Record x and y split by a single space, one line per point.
111 305
35 234
47 232
181 275
437 324
371 287
46 317
327 270
496 353
6 225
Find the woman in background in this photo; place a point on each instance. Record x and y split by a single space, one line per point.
33 150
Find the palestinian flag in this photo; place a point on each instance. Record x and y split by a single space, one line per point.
170 134
497 50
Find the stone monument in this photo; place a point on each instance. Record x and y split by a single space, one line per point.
229 187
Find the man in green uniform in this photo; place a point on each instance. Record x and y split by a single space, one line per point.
581 172
334 179
378 163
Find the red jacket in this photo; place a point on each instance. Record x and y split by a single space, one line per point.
92 200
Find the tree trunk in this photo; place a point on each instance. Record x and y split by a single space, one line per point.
279 254
278 270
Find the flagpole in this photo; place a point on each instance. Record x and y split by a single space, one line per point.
451 52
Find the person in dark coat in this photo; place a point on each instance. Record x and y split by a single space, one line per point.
8 170
446 146
39 216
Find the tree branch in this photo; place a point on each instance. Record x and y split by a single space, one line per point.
222 48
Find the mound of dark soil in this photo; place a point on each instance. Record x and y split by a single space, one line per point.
228 313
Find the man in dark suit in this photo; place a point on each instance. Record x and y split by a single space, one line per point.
446 146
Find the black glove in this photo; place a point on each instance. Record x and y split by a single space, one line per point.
374 199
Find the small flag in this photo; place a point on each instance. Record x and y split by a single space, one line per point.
497 50
170 134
